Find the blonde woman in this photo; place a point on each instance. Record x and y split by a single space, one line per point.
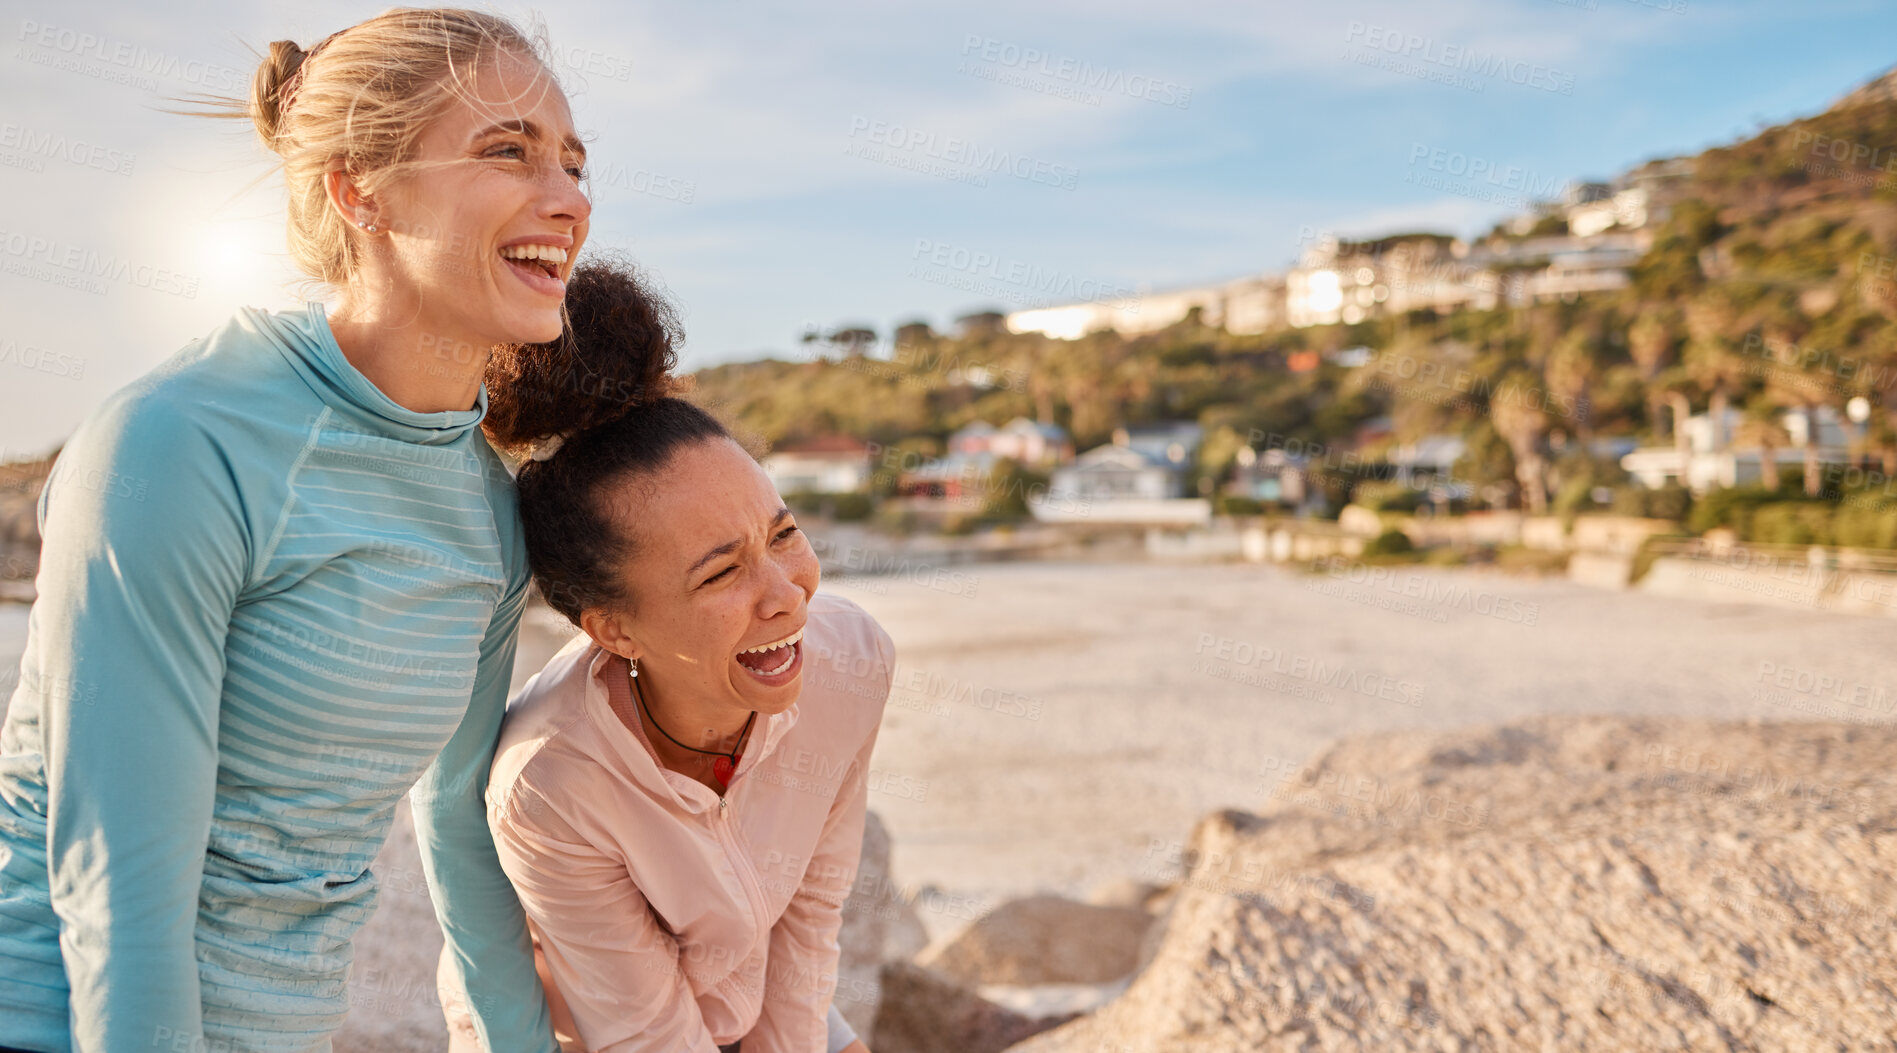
679 795
281 579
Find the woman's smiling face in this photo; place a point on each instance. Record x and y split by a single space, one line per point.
720 579
484 232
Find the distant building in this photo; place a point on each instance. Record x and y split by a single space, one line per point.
1112 473
974 452
1713 460
1626 209
1269 475
1342 281
1245 305
1609 225
1428 464
1143 462
1562 266
831 465
1026 442
1172 442
957 477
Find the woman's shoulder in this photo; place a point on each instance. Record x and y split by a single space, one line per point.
543 712
209 429
224 387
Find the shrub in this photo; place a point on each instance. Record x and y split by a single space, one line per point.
1389 543
1791 523
1388 496
853 507
804 502
1671 501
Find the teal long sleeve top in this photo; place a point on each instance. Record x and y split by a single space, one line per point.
271 602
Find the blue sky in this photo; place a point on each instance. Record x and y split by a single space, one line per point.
779 165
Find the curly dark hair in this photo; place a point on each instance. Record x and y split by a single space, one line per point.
606 385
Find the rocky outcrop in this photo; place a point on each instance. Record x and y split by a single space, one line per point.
879 925
20 484
924 1011
1565 884
1045 940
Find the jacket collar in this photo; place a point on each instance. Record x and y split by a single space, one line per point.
608 686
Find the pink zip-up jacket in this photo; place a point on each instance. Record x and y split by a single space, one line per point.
665 918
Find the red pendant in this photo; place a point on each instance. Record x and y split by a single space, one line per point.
721 770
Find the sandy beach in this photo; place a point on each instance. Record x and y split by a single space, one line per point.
1055 726
1164 692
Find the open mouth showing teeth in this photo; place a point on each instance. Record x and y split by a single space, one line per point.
545 259
771 659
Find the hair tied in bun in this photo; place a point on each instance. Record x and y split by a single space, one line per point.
286 92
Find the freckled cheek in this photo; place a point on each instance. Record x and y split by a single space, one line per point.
807 572
721 638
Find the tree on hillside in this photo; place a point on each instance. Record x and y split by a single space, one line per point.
1524 424
1651 341
1761 426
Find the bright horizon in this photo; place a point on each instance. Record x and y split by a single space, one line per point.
746 153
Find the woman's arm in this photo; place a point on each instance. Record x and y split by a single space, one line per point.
489 953
146 551
801 977
618 973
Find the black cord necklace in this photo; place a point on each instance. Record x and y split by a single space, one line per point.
726 763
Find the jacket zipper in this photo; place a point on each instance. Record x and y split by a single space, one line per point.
740 862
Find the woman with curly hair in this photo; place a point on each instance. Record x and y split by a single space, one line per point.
679 796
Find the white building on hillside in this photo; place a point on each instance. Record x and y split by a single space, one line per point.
1244 305
1714 461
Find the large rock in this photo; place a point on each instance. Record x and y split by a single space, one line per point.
1044 940
879 925
924 1011
1564 884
